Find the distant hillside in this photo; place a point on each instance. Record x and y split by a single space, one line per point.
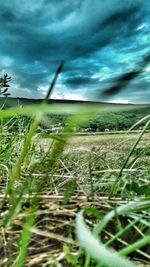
17 101
20 101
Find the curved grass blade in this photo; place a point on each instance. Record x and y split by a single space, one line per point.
125 78
101 254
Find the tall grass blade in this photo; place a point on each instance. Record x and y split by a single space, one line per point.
58 71
133 247
128 157
122 231
25 238
124 209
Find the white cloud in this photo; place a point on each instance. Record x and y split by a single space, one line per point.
147 69
120 101
6 61
61 92
17 91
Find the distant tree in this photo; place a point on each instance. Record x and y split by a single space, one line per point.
4 88
4 85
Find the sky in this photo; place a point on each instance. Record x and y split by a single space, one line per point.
98 41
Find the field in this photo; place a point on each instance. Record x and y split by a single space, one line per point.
67 199
104 152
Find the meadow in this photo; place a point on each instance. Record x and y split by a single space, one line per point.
73 199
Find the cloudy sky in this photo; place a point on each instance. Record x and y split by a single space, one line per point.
98 39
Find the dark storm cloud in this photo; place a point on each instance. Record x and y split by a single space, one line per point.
7 15
98 41
80 81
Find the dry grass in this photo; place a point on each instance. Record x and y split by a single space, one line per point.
90 158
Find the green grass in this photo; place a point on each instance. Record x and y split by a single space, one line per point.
45 182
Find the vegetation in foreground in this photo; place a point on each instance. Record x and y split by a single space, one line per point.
49 185
72 201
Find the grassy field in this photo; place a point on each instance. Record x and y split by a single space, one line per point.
40 231
72 199
68 199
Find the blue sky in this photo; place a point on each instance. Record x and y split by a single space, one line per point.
99 40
